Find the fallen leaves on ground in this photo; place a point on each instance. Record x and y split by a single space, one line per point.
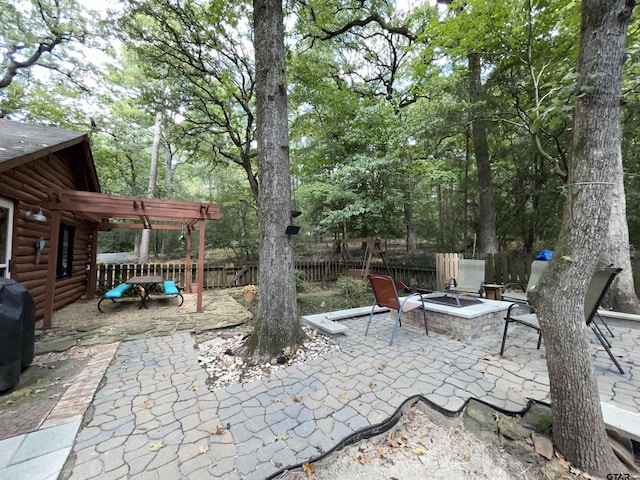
308 469
576 472
406 440
397 441
155 446
382 453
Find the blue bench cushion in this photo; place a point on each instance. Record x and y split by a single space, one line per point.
170 288
117 292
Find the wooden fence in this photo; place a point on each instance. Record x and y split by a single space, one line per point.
225 276
500 268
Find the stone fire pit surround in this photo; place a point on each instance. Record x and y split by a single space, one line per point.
462 323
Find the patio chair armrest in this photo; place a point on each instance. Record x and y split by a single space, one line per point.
528 306
451 283
413 296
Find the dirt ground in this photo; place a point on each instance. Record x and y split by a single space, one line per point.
426 444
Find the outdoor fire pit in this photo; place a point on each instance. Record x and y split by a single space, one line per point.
452 300
474 318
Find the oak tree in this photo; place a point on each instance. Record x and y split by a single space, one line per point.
578 427
277 329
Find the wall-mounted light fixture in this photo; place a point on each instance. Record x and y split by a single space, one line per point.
293 229
35 216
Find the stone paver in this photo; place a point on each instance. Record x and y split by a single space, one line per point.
304 410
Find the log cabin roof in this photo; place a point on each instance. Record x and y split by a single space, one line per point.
22 142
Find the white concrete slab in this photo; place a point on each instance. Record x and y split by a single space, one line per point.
327 322
619 315
38 455
625 421
353 312
321 323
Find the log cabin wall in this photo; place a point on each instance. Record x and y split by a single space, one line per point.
27 185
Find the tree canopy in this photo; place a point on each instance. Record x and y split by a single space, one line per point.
380 109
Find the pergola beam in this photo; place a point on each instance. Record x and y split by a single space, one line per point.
107 226
114 206
140 213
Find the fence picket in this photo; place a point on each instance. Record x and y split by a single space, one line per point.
500 268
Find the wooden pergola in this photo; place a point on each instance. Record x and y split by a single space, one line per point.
107 212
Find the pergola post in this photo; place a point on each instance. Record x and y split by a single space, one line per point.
52 266
187 263
200 267
93 245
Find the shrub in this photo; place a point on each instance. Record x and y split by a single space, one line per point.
355 290
301 284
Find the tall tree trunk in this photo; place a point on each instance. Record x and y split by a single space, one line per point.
578 427
143 257
168 165
465 194
168 180
412 241
441 222
487 211
277 326
622 297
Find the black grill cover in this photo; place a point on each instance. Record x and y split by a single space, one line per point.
17 331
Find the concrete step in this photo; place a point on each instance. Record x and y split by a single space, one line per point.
327 322
624 421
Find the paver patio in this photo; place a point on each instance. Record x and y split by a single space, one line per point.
154 391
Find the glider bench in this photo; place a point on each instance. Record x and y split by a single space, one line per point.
169 289
115 292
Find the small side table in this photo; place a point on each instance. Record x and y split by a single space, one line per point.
493 291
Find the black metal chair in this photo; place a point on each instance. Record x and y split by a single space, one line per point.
598 287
